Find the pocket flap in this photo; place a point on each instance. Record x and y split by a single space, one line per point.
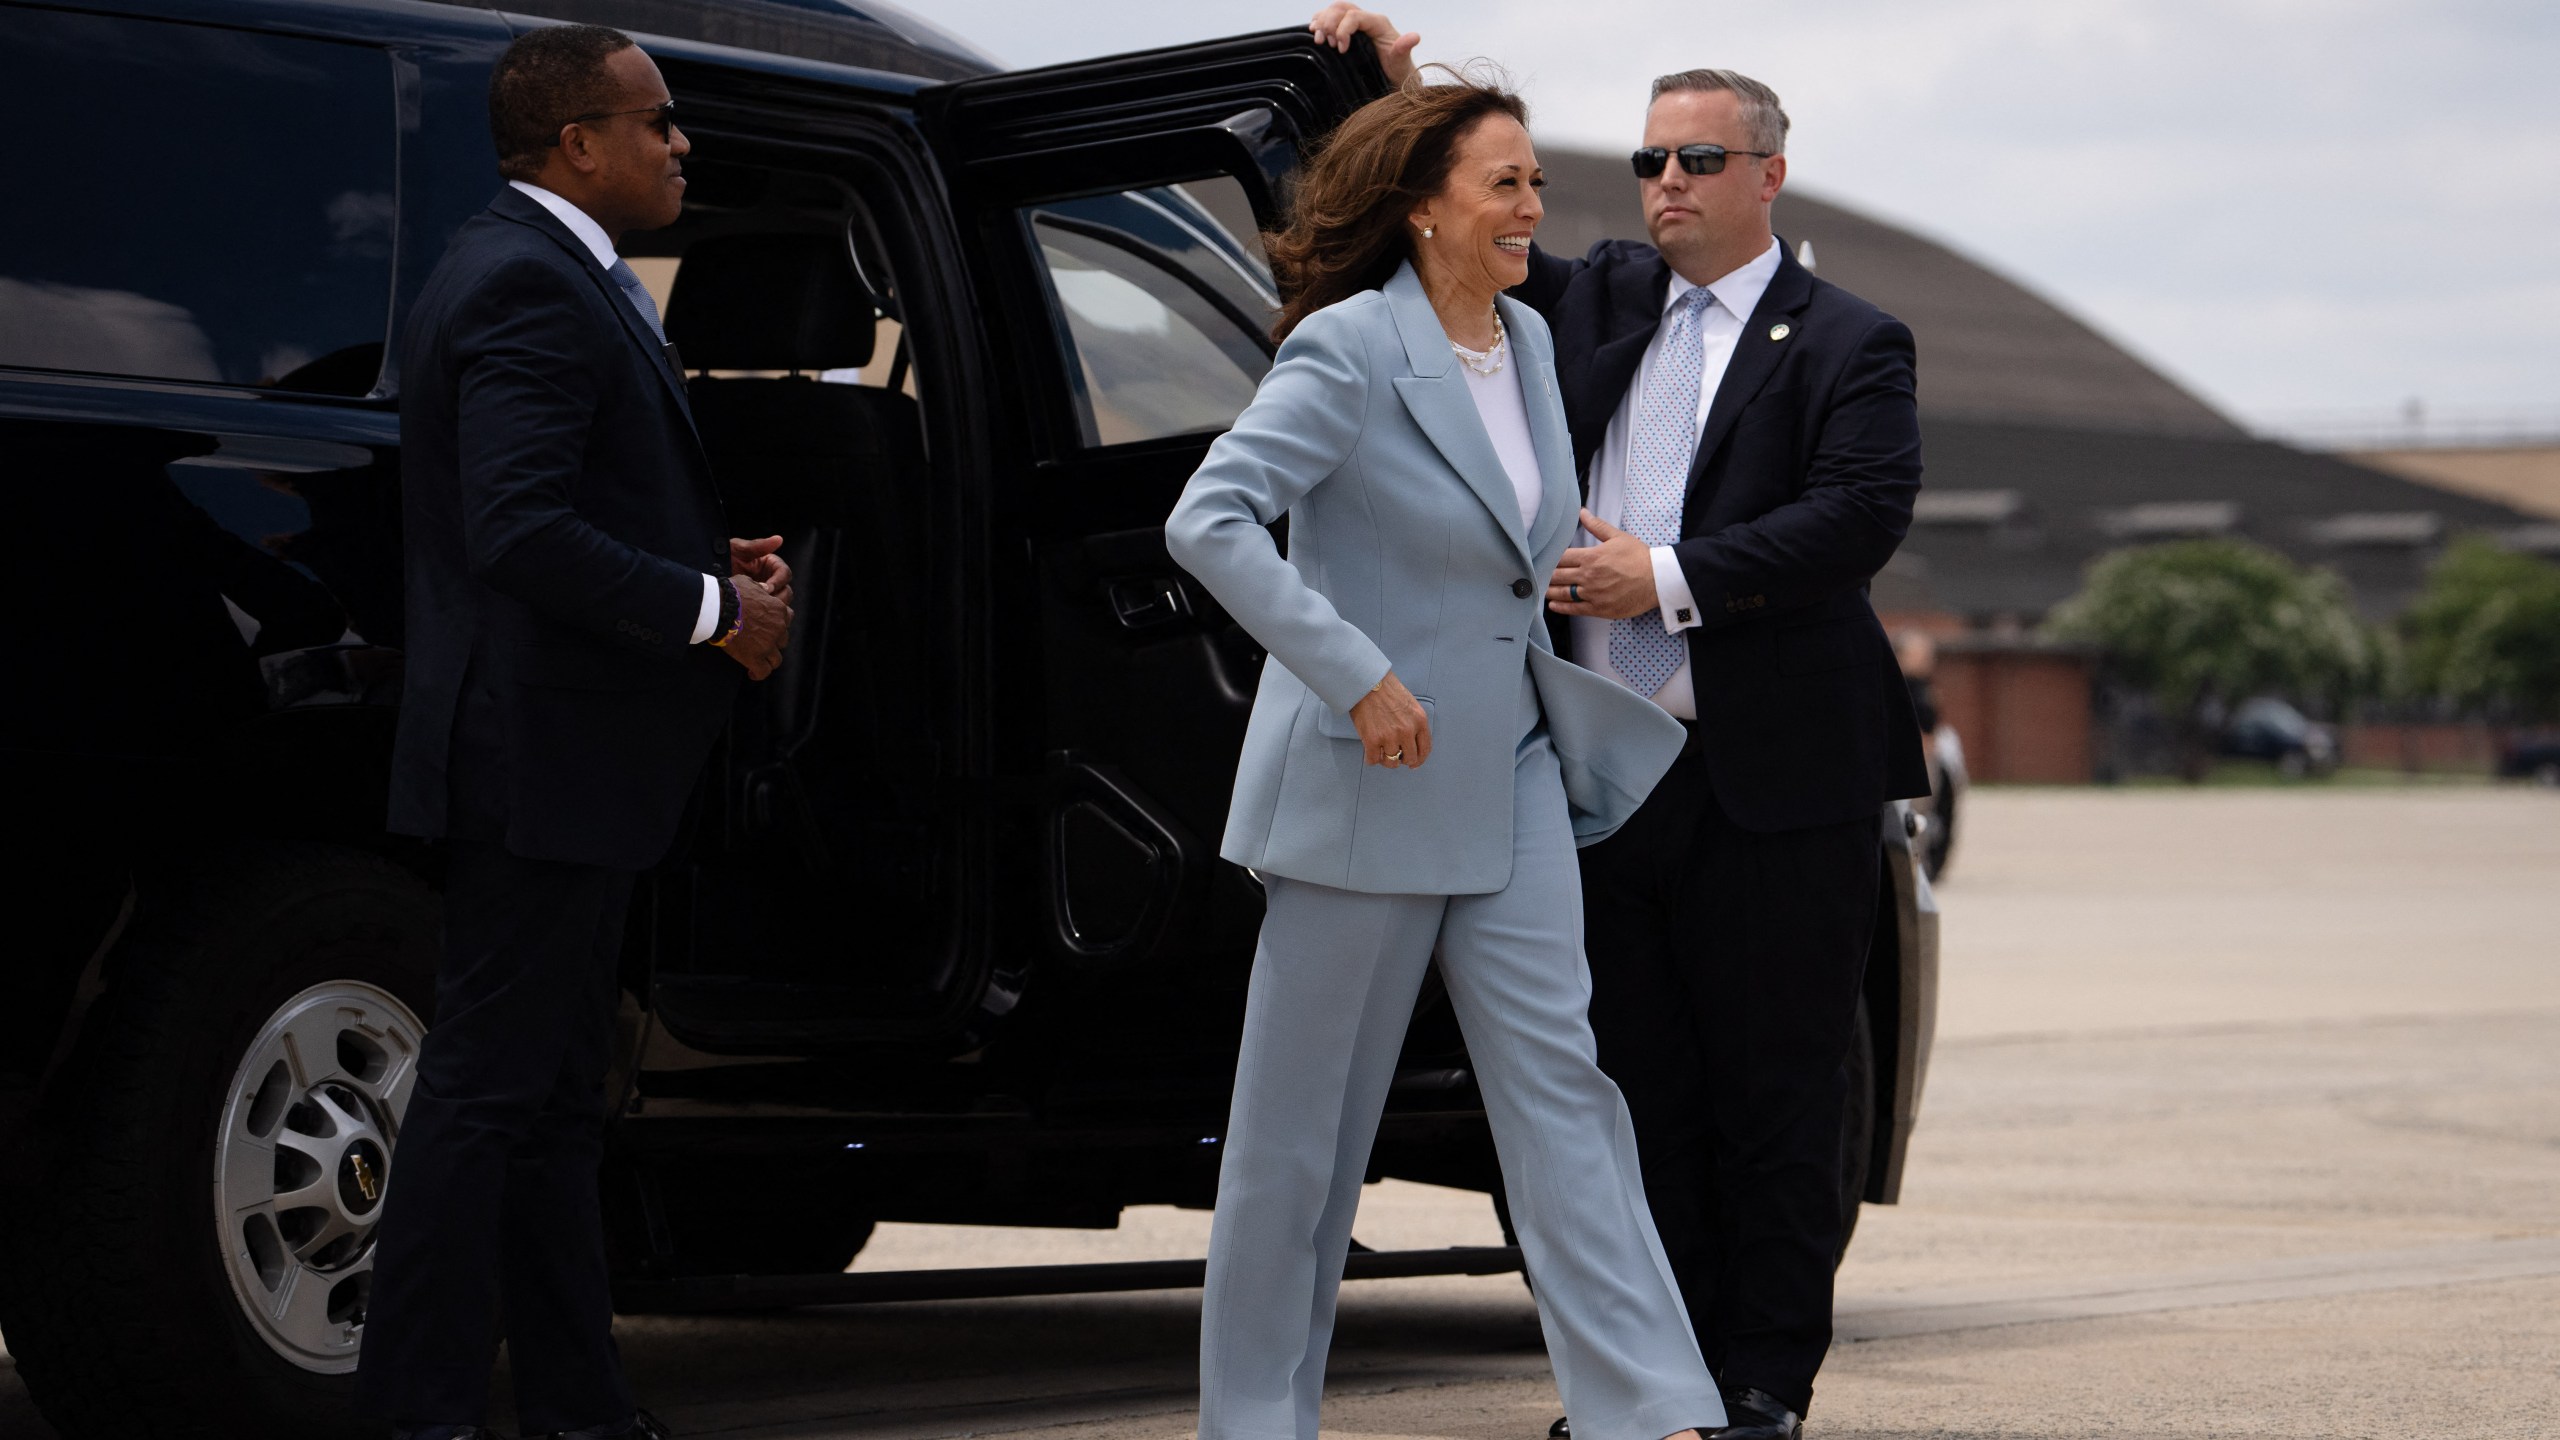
576 665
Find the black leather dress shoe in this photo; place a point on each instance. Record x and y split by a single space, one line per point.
641 1426
1562 1429
1757 1415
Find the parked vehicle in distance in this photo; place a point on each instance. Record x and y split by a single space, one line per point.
946 937
2532 756
2270 729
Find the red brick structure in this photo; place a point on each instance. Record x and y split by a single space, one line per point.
2458 746
2022 709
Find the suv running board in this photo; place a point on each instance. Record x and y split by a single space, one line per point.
701 1293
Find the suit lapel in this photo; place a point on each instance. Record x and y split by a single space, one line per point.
513 204
1634 313
1560 496
1436 394
1755 359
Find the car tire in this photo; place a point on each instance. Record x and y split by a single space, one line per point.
1857 1125
130 1239
1938 840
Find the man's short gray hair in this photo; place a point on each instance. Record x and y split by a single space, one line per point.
1764 120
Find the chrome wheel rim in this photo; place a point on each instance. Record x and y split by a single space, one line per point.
304 1165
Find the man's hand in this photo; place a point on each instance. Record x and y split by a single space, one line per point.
1394 731
1612 580
760 561
1336 23
764 628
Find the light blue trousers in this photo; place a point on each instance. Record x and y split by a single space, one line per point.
1333 986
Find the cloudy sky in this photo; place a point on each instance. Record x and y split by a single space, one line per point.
2297 207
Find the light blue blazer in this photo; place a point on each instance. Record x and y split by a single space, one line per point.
1406 551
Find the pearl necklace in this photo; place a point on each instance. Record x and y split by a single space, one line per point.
1490 360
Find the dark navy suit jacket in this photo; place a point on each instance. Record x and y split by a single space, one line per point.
560 516
1802 487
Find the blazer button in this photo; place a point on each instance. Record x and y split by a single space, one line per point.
1520 588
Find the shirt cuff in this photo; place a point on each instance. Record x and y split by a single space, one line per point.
709 619
1671 589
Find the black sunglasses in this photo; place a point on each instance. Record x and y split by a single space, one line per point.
1696 159
662 118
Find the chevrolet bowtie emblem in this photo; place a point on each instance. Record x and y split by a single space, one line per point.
364 1179
1779 331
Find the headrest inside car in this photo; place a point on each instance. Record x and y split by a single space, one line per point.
771 302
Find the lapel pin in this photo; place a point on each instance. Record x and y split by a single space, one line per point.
1780 331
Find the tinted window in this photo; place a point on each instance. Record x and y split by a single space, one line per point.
1165 313
193 203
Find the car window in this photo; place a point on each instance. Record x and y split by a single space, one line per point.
215 205
1165 313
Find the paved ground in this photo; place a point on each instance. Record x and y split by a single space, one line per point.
2245 1121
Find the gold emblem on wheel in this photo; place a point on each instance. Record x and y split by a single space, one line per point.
364 1179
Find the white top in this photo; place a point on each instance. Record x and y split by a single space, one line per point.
1719 327
591 235
1505 413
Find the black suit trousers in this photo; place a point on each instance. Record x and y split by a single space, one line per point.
1725 970
493 1217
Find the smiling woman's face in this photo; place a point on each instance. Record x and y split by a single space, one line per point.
1483 217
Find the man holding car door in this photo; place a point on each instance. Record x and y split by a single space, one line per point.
578 623
1748 442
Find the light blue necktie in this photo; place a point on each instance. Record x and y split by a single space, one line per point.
638 295
1659 455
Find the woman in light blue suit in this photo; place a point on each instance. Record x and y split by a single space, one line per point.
1417 771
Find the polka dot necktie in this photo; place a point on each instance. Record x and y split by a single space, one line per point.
638 295
1659 454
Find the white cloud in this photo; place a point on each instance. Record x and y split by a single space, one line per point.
111 332
2285 203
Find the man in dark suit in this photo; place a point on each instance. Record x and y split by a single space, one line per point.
577 623
1751 440
1749 443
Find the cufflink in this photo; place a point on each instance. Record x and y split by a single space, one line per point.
1683 614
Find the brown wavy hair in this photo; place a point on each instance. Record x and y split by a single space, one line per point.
1348 229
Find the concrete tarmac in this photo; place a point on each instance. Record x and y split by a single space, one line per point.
2245 1120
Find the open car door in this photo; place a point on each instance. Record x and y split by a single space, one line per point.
1110 213
1244 107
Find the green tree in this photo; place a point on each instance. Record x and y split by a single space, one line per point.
2485 634
2201 623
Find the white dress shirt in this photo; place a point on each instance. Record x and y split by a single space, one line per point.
1505 412
1719 327
599 244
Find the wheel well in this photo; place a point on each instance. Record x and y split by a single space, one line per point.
59 957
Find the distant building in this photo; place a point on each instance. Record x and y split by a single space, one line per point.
2048 444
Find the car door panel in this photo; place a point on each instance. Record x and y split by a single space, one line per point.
1138 326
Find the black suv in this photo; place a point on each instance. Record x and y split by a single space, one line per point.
946 939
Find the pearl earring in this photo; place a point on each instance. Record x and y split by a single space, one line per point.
1426 232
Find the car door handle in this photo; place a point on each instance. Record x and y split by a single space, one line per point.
1148 602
